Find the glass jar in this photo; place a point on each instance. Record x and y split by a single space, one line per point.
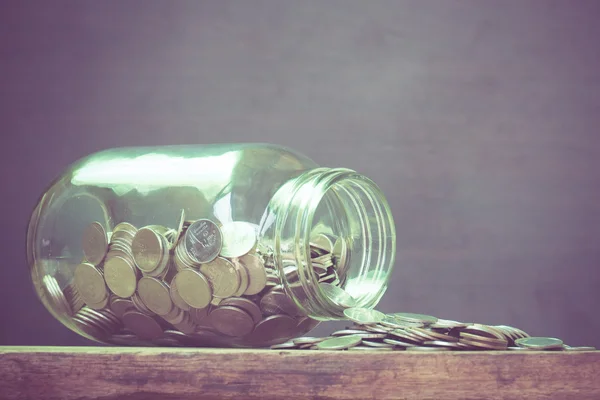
242 245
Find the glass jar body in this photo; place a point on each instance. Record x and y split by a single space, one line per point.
200 245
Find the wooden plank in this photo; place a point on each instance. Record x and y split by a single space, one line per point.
159 373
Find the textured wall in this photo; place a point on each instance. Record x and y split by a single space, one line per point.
479 120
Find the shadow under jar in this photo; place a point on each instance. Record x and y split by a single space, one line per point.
243 245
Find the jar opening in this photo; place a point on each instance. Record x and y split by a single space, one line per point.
343 214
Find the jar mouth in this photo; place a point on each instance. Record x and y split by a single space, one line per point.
351 210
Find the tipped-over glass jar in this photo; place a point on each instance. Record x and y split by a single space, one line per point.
241 245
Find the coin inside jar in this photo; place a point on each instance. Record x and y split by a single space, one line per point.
121 276
95 243
144 326
155 295
193 287
148 249
256 273
238 238
90 283
203 241
231 321
223 277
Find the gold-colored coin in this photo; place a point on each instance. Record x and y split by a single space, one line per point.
149 249
193 287
121 276
95 243
223 277
90 283
144 326
244 278
231 321
176 297
155 294
257 274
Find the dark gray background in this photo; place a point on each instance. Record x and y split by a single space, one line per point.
479 120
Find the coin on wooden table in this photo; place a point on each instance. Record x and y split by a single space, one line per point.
193 287
238 238
423 348
246 305
257 275
338 295
419 318
223 277
95 243
441 343
364 316
339 342
374 343
579 348
155 294
368 348
398 343
121 276
90 283
284 346
540 343
231 321
307 340
144 326
203 240
149 249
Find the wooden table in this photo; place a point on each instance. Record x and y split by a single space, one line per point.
160 373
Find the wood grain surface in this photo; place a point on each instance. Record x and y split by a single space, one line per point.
158 373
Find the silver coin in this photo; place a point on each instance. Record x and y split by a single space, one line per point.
203 241
364 316
238 238
539 343
339 343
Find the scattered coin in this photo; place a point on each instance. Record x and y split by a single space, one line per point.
231 321
339 343
337 295
540 343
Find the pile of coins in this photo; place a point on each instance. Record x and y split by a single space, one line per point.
376 331
200 284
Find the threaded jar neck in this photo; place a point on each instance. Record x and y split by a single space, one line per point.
349 211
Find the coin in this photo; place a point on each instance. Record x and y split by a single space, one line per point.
231 321
193 287
371 343
120 306
149 249
90 283
223 277
367 348
238 238
139 305
198 314
56 296
339 343
539 343
341 255
95 243
121 276
412 317
155 294
203 241
244 278
308 340
400 343
323 242
176 297
246 305
364 316
272 328
337 295
275 302
423 348
257 275
144 326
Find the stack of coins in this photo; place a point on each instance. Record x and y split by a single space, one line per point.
199 284
376 331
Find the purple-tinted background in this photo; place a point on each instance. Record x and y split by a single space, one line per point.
479 120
